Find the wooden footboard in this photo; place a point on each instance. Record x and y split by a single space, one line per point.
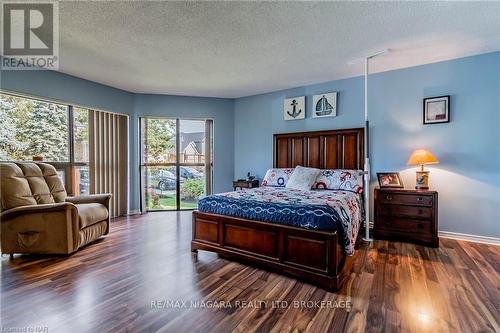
313 256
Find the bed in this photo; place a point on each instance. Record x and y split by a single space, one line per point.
310 235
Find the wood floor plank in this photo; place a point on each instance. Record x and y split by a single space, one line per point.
356 321
117 283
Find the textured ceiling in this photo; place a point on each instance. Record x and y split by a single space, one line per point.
234 49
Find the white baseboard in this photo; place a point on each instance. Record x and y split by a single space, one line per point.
470 238
464 237
444 234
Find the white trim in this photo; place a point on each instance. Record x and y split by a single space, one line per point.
469 237
134 212
463 237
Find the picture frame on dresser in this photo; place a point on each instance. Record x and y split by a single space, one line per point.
389 180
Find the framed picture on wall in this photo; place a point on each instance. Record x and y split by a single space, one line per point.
294 108
325 105
389 180
437 110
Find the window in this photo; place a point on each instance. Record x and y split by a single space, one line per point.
56 132
176 167
33 128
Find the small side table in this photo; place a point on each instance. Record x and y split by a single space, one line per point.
245 184
407 215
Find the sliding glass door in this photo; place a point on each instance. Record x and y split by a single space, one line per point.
176 162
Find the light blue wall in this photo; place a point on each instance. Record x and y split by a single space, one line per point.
468 177
72 90
258 117
218 109
67 88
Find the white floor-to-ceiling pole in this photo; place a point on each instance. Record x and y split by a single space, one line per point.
367 149
367 160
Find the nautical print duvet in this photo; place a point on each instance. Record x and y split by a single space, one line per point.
313 209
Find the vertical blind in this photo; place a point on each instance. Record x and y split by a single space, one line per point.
108 157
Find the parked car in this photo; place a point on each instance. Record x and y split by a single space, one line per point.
187 172
165 180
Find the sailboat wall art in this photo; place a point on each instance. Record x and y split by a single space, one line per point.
325 105
294 108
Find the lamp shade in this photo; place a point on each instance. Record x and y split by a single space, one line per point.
421 157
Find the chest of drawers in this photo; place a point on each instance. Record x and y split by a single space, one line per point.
407 215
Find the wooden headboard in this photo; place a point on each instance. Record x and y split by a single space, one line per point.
334 149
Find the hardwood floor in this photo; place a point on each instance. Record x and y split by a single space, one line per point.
137 278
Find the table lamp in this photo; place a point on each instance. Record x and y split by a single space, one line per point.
421 157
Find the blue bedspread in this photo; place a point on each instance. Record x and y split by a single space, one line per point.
318 210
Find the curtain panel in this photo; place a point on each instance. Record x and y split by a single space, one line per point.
108 158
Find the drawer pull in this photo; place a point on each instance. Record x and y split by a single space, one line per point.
388 197
420 199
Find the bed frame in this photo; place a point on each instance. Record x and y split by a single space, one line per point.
310 255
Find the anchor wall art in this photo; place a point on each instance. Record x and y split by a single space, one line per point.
325 105
294 108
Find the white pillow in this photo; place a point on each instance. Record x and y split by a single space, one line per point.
277 177
340 179
302 178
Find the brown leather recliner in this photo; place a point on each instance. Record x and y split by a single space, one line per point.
38 217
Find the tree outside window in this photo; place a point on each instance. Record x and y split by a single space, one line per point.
81 134
33 128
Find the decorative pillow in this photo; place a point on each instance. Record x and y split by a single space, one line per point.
340 179
303 178
277 177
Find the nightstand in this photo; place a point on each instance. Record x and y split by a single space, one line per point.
245 184
407 215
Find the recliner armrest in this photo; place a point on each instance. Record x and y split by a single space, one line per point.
60 220
91 198
35 209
